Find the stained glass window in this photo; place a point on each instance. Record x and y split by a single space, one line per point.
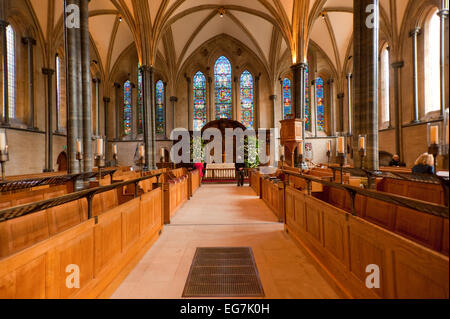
11 60
287 98
199 88
160 109
222 73
247 112
307 101
127 108
140 102
320 105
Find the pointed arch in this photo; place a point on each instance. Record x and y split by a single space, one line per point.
223 88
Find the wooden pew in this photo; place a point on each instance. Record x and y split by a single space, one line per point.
175 192
105 251
345 245
272 192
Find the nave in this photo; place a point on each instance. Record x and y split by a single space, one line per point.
226 216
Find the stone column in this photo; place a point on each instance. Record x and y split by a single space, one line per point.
49 122
86 86
73 100
5 117
414 33
173 100
96 82
332 113
148 94
443 14
117 87
273 98
189 109
257 100
298 90
210 101
365 60
340 97
314 108
30 42
235 115
106 101
349 101
398 127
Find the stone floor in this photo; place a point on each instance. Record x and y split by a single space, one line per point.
225 216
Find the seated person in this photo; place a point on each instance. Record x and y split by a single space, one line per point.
396 161
424 164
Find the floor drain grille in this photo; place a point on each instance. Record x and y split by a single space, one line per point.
223 272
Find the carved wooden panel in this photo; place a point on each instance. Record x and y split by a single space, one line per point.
130 222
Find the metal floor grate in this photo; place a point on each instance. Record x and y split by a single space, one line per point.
223 272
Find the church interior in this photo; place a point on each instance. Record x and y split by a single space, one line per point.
348 100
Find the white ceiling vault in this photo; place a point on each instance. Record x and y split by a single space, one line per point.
174 29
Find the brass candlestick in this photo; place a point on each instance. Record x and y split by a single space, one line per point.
141 163
433 149
341 161
4 157
362 156
100 163
115 158
329 157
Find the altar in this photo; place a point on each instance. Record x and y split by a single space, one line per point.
220 172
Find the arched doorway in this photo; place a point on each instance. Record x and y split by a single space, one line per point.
62 162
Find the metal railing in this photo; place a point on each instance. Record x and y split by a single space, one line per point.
429 208
88 194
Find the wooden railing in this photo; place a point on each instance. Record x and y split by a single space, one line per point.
220 174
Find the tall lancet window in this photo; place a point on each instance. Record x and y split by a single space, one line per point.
287 98
127 108
199 87
11 60
432 64
320 105
222 74
247 112
160 108
308 126
385 116
140 102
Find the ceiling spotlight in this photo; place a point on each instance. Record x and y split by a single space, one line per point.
120 19
222 12
323 15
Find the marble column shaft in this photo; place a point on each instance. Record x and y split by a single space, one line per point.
49 122
365 62
397 66
30 42
148 93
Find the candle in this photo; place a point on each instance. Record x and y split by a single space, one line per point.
162 152
341 145
2 141
115 149
362 143
329 146
300 148
99 146
141 150
78 146
434 135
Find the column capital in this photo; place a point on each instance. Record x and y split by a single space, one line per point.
106 99
173 99
28 40
415 32
349 76
3 23
313 82
398 65
209 79
48 71
443 13
330 81
146 68
300 65
117 85
96 80
340 95
273 97
258 77
188 79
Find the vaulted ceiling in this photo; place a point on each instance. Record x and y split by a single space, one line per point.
174 29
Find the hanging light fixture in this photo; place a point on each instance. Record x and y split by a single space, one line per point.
222 12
